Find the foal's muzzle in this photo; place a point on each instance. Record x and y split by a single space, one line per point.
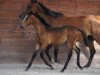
21 27
22 16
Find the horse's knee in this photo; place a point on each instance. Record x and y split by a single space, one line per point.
46 52
56 52
34 54
93 52
41 54
70 54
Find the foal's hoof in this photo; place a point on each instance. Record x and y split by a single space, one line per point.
52 68
81 67
62 70
86 66
26 69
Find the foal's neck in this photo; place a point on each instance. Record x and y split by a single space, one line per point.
39 27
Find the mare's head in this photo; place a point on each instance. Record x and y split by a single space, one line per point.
38 8
32 7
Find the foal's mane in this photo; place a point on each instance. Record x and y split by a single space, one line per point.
42 21
49 12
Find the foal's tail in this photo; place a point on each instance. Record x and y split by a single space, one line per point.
87 39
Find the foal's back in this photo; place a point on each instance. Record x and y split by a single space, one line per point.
60 35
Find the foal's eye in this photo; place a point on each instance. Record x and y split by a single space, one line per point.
26 18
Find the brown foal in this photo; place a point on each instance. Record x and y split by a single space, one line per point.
47 35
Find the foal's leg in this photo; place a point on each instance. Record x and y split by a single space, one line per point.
92 52
77 50
70 47
67 61
47 52
33 57
70 44
55 53
45 61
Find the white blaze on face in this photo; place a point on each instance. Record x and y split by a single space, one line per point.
37 46
25 18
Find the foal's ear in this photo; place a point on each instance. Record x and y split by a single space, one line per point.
33 1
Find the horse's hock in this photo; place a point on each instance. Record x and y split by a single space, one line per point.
17 47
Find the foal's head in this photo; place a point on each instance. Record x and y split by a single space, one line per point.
27 20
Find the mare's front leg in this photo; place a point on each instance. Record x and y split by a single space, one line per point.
84 48
45 61
77 50
92 52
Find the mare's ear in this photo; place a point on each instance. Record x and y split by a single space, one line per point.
33 1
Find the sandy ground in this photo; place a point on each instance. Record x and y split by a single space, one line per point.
41 69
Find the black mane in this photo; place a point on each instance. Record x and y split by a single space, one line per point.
49 12
42 21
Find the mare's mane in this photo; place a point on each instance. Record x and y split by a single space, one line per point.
49 12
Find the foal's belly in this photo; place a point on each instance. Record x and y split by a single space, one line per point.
60 40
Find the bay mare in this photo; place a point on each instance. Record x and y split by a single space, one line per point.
56 19
47 35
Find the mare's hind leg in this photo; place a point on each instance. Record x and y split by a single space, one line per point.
47 52
55 53
32 59
45 61
92 52
77 50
